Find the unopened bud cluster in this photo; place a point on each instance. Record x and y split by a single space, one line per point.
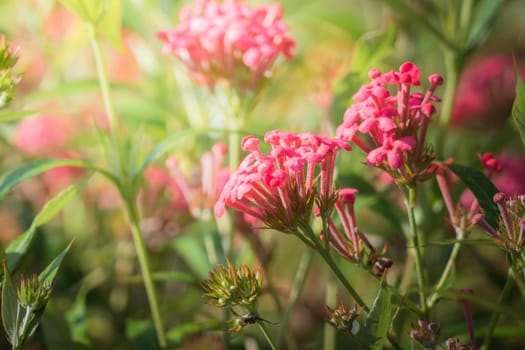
426 333
228 286
33 294
344 319
8 59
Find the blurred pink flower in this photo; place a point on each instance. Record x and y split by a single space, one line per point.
43 134
229 40
281 188
48 135
485 93
202 195
396 124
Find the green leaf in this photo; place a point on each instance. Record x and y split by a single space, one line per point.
18 248
485 15
176 334
402 8
163 147
141 334
518 108
28 170
482 188
371 48
10 115
49 273
55 205
378 321
77 321
111 23
88 10
190 248
9 306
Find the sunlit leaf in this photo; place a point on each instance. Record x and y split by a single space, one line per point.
371 48
13 115
49 273
56 204
482 188
164 146
18 248
518 108
9 305
28 170
88 10
111 23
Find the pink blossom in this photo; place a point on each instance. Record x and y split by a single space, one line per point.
229 40
43 134
279 188
202 194
395 125
486 92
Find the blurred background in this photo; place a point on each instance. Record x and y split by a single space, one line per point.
99 300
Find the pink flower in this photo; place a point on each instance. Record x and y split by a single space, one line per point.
229 40
200 195
280 188
396 124
486 92
43 134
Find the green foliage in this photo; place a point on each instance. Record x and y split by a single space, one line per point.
18 249
518 108
22 311
378 321
482 188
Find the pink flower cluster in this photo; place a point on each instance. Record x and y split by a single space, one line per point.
395 125
229 40
281 188
486 91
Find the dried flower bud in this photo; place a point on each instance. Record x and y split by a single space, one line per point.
228 286
426 333
456 344
344 319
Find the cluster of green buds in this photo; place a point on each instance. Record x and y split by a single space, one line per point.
228 286
33 294
8 81
426 333
345 319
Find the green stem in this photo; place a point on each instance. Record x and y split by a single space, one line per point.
495 316
446 273
329 330
142 255
340 276
310 238
297 287
264 331
414 242
102 78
